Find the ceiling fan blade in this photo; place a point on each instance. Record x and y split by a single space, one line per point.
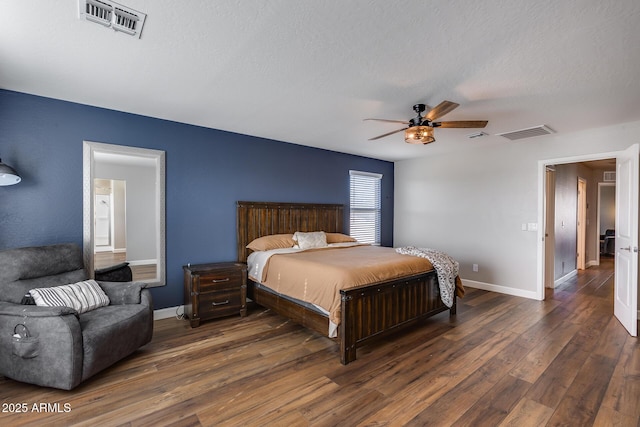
386 134
389 121
441 109
462 124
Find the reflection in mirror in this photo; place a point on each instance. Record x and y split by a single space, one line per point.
110 216
124 210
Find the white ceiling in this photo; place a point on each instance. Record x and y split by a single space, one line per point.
309 71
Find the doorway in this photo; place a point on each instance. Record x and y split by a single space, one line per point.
109 217
606 218
572 237
581 237
549 229
626 206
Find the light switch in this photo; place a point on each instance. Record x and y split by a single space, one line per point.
532 226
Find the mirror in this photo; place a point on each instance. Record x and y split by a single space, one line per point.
124 210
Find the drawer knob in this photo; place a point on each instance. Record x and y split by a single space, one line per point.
220 280
220 303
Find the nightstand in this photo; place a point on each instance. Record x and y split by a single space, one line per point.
214 290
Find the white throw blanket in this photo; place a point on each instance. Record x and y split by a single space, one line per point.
446 268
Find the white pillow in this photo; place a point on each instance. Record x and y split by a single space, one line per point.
315 239
82 296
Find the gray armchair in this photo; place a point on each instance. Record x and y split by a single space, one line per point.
56 346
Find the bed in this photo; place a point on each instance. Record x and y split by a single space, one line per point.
366 311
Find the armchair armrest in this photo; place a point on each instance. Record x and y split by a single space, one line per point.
123 292
8 309
54 357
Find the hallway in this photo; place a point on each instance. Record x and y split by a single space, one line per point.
596 281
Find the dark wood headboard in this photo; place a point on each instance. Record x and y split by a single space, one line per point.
257 219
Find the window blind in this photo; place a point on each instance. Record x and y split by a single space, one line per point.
365 206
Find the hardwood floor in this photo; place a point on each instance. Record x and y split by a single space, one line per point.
502 361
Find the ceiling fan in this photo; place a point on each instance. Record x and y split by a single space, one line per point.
420 128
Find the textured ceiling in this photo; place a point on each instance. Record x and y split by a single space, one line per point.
308 72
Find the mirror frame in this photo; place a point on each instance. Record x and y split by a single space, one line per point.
89 149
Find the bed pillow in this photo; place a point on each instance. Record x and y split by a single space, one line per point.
81 296
339 238
314 239
273 241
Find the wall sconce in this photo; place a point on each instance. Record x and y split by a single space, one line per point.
8 176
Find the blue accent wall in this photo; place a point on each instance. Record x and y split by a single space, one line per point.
207 171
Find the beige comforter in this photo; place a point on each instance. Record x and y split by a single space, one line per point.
316 276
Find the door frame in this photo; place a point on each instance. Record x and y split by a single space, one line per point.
549 226
542 167
581 238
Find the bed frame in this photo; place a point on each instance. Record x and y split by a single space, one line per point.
367 311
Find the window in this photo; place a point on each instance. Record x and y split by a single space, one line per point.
364 220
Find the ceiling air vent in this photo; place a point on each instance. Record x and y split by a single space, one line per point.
527 133
112 15
609 176
97 11
126 21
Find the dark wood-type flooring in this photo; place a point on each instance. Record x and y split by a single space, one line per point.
503 361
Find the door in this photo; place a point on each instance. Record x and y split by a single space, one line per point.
549 232
626 257
582 223
103 220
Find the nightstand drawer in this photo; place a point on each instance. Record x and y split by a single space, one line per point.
218 280
219 303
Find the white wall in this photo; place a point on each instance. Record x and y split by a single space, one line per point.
472 204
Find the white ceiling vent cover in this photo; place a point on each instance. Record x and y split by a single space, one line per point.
609 176
97 11
527 133
112 15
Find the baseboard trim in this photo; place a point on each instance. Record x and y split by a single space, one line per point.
143 262
499 289
592 263
166 313
564 278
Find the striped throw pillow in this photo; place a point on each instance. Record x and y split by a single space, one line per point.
82 296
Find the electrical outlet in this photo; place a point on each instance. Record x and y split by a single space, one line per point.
475 267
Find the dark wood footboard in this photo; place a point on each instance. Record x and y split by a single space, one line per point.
367 311
373 310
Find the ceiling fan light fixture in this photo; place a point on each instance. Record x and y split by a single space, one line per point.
419 135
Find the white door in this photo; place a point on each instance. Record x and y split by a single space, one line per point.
626 259
102 227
